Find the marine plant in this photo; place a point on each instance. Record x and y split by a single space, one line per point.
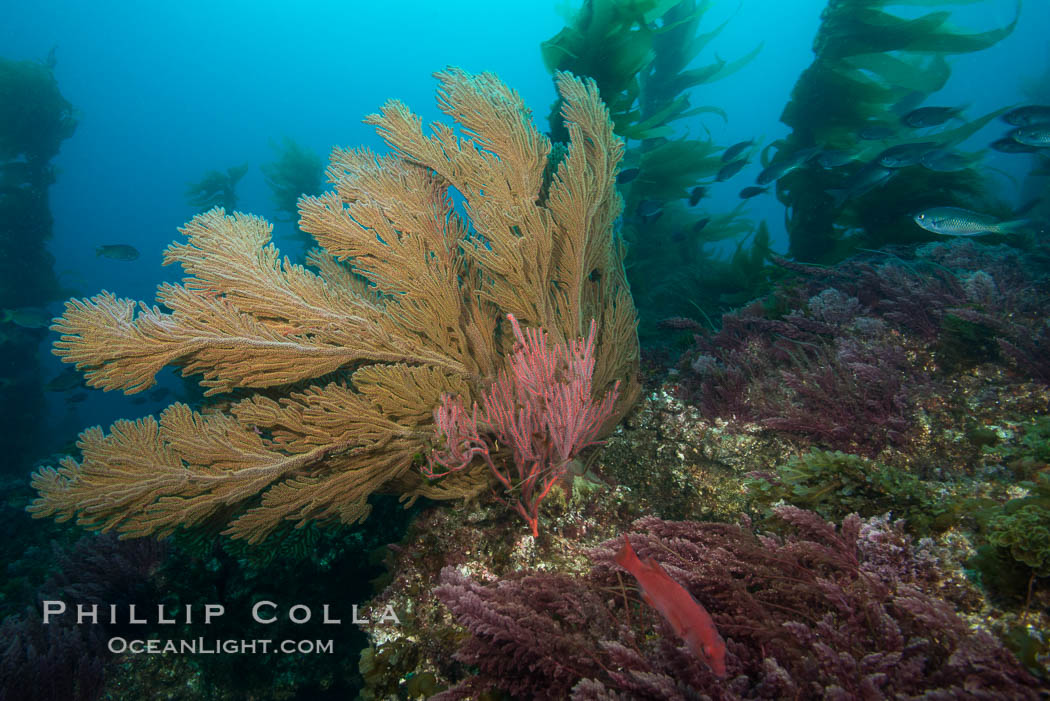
1025 532
60 660
822 370
216 189
1016 549
34 121
543 409
822 612
34 117
870 67
1029 454
844 356
1036 90
639 55
835 484
327 382
642 55
297 171
1030 352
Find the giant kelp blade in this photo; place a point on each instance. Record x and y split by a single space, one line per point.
706 109
871 55
559 49
678 164
951 42
645 11
872 31
958 135
715 71
655 125
728 225
693 19
927 3
921 74
607 41
700 41
728 68
948 138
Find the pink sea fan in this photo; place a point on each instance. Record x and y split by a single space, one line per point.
542 410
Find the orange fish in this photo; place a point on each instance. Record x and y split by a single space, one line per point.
687 617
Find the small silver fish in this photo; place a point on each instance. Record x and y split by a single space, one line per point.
944 161
1028 115
753 191
778 169
955 221
27 317
1037 136
649 211
626 176
696 195
117 251
1008 145
864 180
930 116
905 155
730 169
65 381
647 208
909 103
735 150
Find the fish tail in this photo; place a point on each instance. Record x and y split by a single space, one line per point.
1009 227
99 250
627 558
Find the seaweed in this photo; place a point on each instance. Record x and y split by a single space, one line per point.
643 56
835 484
869 63
35 119
821 612
216 189
297 171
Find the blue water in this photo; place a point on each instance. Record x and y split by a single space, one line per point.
167 91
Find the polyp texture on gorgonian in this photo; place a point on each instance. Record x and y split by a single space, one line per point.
328 376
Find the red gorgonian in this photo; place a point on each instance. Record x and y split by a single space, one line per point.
542 410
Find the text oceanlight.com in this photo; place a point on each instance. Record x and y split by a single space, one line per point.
203 646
